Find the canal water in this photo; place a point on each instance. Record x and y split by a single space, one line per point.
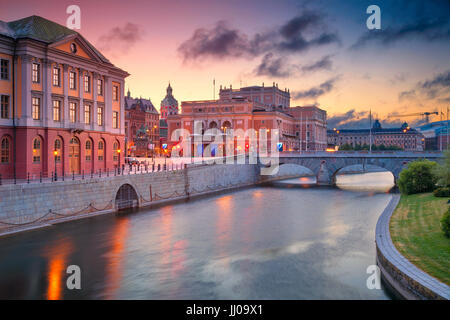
284 241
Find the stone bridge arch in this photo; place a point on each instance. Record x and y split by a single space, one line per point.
359 168
126 197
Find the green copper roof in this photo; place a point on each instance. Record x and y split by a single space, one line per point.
41 29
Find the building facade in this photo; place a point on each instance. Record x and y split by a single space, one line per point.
436 134
61 102
404 137
141 127
300 128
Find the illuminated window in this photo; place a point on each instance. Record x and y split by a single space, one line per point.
87 114
115 151
56 110
72 111
56 77
115 119
72 80
100 87
58 150
37 150
4 107
5 147
101 150
36 108
88 150
100 116
87 83
36 74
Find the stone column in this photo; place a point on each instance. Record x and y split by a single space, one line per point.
47 84
65 107
80 119
26 89
107 117
95 77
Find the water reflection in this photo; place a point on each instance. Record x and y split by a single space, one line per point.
259 243
370 181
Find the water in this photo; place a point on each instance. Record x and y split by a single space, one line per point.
275 242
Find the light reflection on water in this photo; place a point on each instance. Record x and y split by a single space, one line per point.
370 181
259 243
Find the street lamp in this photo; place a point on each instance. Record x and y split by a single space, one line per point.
55 153
118 152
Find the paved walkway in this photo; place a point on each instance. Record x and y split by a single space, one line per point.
388 250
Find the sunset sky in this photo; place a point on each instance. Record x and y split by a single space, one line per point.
321 50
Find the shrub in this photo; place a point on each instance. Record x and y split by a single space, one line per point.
442 172
417 177
442 192
445 223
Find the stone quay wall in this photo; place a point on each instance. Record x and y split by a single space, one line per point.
34 205
398 273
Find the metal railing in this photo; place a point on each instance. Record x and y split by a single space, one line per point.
52 177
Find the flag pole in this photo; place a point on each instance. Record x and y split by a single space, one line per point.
370 130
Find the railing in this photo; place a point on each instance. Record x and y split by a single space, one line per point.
51 177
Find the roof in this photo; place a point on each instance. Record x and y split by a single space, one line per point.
374 131
41 29
145 105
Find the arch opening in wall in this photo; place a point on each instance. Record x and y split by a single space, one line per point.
364 178
126 197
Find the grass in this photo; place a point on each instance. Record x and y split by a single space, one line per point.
416 232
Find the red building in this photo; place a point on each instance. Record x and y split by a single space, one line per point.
61 102
141 127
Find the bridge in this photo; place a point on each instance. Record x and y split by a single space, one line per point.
326 165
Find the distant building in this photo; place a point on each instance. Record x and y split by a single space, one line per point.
437 135
62 102
169 105
141 127
301 128
271 97
404 137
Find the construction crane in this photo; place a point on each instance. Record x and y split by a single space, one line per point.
423 114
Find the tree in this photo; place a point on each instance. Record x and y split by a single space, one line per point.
442 172
418 177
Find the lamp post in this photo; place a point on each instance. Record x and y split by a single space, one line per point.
118 153
55 153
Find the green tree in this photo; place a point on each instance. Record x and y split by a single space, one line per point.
418 177
442 172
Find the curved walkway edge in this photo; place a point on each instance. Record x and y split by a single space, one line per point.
398 273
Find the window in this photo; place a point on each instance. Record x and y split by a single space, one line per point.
115 151
88 150
87 83
115 119
72 80
100 116
87 114
4 156
36 108
57 150
115 93
4 107
100 87
56 77
4 70
56 110
36 150
101 149
36 74
72 111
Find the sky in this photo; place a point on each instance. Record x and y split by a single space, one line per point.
321 50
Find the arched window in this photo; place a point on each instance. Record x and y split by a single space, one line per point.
5 150
57 151
116 151
88 150
101 150
37 150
